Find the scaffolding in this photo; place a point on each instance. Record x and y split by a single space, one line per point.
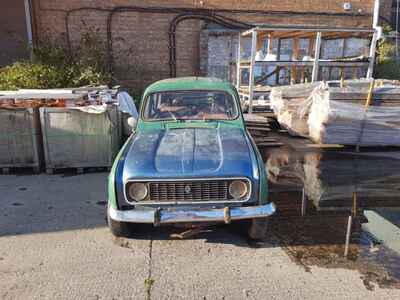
300 70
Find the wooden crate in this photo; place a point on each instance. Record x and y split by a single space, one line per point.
20 141
73 138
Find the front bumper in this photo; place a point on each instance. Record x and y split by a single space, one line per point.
176 215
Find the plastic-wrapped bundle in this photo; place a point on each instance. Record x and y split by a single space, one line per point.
351 123
291 105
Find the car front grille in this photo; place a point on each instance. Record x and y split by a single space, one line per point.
196 190
189 191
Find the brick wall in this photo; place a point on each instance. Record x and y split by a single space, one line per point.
386 9
13 32
140 40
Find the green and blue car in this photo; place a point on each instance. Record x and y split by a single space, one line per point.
190 159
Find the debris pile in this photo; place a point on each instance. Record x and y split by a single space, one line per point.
78 97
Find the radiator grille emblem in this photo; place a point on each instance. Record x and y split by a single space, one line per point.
188 189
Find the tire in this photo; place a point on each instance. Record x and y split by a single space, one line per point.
258 229
118 229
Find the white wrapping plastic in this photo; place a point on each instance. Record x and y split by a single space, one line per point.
127 105
346 123
291 105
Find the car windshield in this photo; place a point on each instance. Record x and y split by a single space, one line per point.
190 105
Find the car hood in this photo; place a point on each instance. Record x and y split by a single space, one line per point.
189 152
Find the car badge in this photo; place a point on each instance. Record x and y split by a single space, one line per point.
188 189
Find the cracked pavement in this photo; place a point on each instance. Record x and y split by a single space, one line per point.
54 244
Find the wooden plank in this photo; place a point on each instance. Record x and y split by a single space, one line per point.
262 145
309 34
322 63
275 27
258 128
270 45
325 146
293 70
265 139
257 123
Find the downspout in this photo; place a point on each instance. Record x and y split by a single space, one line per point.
28 21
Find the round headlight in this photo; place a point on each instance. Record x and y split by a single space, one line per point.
137 191
238 189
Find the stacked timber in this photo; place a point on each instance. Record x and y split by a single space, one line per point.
344 116
259 128
291 105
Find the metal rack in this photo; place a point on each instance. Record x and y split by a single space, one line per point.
316 35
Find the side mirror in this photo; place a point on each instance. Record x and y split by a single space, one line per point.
131 122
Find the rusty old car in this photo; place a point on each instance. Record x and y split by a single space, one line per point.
190 159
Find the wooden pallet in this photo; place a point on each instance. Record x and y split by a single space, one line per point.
264 139
16 170
79 170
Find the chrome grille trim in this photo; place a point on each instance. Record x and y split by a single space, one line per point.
216 190
202 190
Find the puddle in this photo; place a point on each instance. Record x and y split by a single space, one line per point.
330 203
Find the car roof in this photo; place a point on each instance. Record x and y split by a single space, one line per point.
190 83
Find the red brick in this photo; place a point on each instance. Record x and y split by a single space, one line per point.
140 40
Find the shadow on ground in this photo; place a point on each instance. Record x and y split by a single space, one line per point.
49 203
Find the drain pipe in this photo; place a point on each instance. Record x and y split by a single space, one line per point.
28 21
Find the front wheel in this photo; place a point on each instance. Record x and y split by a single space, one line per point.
258 229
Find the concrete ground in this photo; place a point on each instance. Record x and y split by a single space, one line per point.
54 244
